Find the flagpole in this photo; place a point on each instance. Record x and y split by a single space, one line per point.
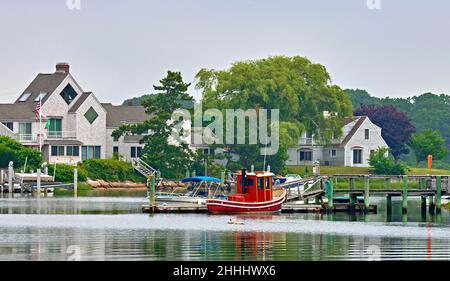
40 125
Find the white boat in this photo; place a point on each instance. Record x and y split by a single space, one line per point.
202 188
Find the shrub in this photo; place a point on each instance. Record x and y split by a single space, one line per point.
21 154
6 155
385 165
64 173
109 170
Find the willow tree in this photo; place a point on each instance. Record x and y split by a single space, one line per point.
171 159
300 89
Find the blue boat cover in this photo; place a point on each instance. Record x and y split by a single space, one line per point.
200 179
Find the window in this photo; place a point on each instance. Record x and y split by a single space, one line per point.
90 152
366 134
57 150
305 155
260 183
115 150
9 125
40 97
73 151
54 128
267 183
136 152
24 97
357 156
68 94
209 151
333 153
25 131
91 115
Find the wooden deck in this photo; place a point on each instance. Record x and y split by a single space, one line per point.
287 208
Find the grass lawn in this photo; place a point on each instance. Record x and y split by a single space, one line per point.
359 184
331 170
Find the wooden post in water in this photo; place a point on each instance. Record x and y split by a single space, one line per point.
10 177
438 193
151 192
366 194
330 195
405 195
389 204
75 182
423 205
2 180
38 182
431 204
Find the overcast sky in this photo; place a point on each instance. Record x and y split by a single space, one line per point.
120 48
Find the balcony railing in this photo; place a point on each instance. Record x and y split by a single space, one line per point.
306 141
61 135
27 138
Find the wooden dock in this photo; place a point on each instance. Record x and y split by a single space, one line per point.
288 208
322 198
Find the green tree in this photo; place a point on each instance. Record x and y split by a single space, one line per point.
426 143
171 159
301 90
21 155
383 164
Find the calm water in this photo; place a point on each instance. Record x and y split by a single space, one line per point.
105 228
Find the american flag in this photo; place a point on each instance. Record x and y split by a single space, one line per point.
37 110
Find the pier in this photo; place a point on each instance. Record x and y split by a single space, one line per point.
344 193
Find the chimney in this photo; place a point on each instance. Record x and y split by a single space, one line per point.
62 67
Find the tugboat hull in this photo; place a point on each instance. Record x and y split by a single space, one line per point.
234 207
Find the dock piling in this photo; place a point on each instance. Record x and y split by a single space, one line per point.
424 204
38 182
366 194
438 193
431 205
389 204
405 195
10 177
75 182
330 195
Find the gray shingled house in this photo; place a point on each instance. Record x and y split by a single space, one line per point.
75 125
360 138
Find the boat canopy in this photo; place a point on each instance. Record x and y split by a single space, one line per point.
201 179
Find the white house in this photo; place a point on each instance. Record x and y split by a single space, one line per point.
79 125
360 138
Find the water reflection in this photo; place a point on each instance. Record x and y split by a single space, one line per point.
114 229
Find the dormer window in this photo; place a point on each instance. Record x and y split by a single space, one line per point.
25 97
40 97
68 94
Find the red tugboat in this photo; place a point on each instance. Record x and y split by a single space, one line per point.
254 194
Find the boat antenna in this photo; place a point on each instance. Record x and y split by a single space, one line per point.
265 155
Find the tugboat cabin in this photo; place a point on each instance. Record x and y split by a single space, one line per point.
253 187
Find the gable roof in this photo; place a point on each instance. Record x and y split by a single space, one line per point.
46 83
16 112
43 83
360 120
79 102
119 115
